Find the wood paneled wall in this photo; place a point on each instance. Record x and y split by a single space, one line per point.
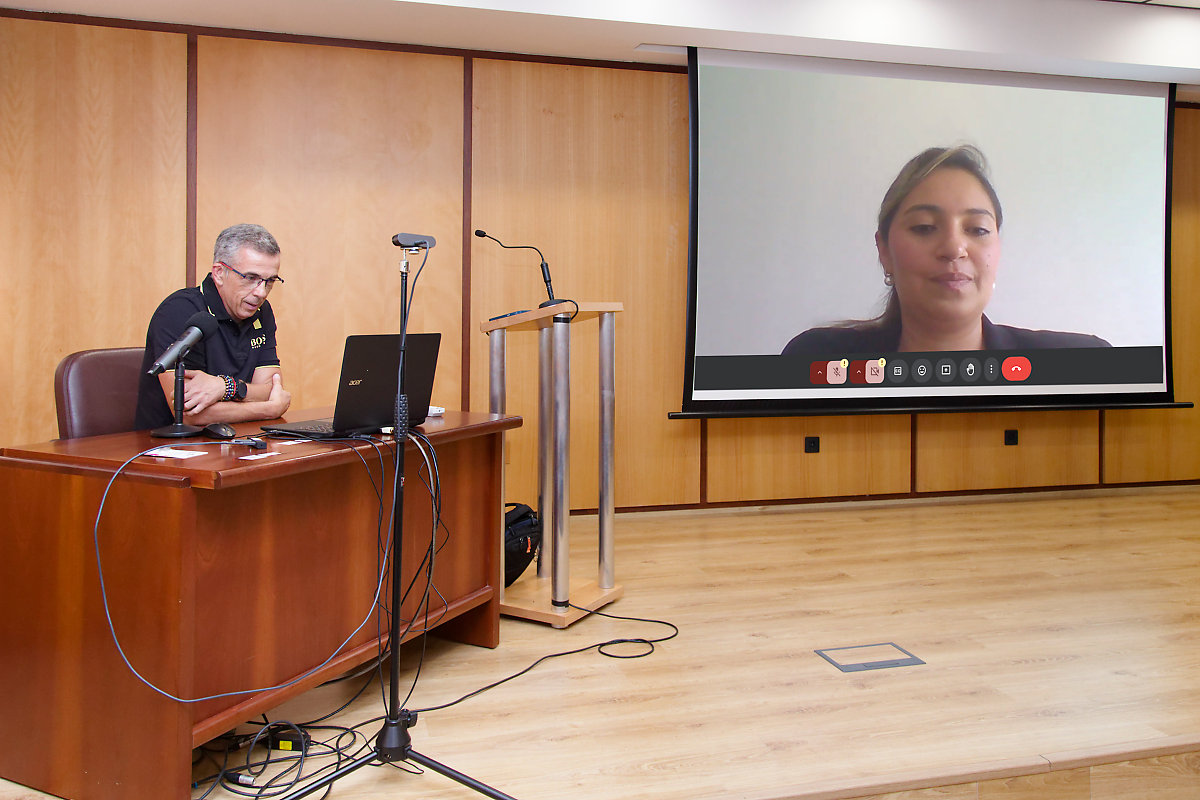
968 451
335 148
764 459
92 195
1165 445
591 166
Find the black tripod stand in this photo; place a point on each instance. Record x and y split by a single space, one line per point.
393 743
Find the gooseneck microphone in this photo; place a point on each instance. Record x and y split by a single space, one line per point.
200 325
545 266
411 241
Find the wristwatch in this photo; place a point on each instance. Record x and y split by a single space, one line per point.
239 389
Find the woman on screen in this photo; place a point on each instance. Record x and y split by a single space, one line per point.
939 244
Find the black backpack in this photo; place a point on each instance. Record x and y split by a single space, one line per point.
522 537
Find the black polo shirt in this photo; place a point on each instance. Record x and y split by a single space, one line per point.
236 349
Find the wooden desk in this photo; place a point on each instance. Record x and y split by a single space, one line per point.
222 575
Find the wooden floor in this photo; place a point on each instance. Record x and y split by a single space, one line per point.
1060 635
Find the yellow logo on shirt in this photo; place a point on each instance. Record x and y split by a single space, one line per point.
257 342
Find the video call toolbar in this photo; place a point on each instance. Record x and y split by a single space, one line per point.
968 369
984 371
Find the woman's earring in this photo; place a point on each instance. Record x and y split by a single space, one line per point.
888 280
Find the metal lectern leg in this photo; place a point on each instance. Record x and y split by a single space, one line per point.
497 404
608 346
496 385
561 577
545 558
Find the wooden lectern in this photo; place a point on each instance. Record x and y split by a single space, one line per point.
550 598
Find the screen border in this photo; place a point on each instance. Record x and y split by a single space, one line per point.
933 403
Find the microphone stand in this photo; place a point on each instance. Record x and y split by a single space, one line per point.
549 290
393 743
178 430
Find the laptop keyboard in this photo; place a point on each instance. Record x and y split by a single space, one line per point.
316 426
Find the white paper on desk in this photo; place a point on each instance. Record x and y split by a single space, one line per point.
256 456
172 452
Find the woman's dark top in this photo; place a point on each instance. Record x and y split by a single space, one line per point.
884 338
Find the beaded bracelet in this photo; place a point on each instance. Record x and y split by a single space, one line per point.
230 388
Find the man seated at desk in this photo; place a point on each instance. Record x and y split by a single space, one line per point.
232 375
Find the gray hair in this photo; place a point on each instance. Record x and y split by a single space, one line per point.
231 241
964 156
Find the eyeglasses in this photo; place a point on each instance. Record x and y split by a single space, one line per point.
253 279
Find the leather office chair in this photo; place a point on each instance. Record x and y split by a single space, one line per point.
95 391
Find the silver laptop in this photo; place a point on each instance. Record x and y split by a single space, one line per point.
366 396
